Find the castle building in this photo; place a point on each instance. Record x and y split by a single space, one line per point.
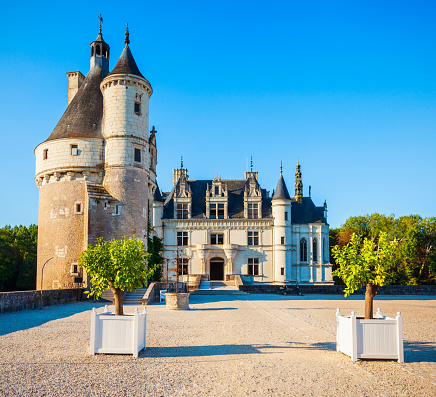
96 175
221 228
96 172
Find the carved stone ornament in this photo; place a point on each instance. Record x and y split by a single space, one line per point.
70 175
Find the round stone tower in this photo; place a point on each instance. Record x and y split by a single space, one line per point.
282 231
71 157
128 158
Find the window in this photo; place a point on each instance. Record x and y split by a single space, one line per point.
326 250
182 266
216 211
74 150
253 266
74 268
315 250
138 155
97 50
282 271
253 211
78 208
137 108
182 211
217 239
217 190
282 240
286 215
303 250
45 154
182 238
253 238
117 209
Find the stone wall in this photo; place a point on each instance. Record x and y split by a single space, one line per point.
25 300
339 289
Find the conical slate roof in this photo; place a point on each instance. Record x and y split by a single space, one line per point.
157 196
126 64
84 114
281 192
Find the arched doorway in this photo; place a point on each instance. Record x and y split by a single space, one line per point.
217 269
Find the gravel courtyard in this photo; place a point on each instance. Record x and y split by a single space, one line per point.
247 345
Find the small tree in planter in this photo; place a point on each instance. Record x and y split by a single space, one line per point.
364 263
117 264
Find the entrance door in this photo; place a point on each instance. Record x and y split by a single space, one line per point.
217 269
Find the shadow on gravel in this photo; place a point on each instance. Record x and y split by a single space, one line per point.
202 351
314 346
418 352
26 319
194 309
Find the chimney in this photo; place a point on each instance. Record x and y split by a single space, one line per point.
75 80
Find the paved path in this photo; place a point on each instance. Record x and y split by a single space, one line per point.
254 345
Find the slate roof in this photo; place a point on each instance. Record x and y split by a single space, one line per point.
157 196
281 191
301 213
83 117
98 192
306 212
126 64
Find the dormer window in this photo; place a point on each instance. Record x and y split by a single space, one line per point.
217 190
253 211
217 211
182 211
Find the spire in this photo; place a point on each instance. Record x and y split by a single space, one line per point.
251 163
281 192
126 40
298 184
126 63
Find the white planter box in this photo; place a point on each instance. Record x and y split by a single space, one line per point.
381 337
118 334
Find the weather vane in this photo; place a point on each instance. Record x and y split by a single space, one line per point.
101 20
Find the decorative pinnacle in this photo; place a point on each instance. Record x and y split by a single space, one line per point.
127 41
281 168
251 163
181 161
101 20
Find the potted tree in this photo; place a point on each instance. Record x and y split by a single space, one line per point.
366 263
119 265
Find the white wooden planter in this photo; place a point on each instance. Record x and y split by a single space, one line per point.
379 338
118 334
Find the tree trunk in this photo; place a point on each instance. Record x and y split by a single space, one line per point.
118 301
371 292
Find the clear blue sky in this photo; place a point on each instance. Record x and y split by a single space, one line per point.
348 87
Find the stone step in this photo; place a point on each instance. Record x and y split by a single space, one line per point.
219 292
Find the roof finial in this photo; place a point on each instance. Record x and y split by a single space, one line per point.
281 168
127 41
101 20
181 162
251 164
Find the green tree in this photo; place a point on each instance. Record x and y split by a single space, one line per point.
18 247
155 249
117 264
365 262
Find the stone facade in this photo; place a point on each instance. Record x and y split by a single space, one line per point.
221 228
97 171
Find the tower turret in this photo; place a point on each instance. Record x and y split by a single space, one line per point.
128 162
100 53
298 184
282 232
